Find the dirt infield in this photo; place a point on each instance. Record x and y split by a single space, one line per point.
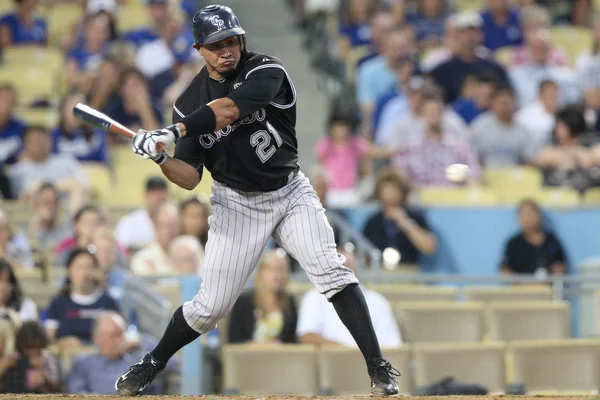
91 397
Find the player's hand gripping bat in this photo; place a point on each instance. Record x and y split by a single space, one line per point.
95 118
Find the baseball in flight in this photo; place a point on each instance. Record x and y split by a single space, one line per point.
457 173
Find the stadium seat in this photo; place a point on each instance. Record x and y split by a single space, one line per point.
6 7
470 5
422 322
342 370
453 197
572 40
259 370
40 294
354 56
170 290
99 178
132 16
46 117
475 363
557 197
556 366
596 311
592 196
52 59
61 18
509 293
398 293
528 320
31 83
522 180
298 290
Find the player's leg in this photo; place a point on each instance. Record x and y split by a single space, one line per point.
307 235
239 229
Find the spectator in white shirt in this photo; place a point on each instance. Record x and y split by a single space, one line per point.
136 230
154 259
540 116
318 322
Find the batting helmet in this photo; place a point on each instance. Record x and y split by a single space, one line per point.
216 22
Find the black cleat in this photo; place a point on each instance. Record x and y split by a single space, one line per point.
383 381
139 376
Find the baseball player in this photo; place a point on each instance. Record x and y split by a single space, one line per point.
237 118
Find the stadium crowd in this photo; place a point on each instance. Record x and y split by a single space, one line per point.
421 84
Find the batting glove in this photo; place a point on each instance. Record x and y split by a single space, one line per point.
145 143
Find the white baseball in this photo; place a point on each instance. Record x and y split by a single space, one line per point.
457 173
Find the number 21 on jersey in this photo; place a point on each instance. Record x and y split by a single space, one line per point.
261 140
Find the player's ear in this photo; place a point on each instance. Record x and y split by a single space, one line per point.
198 48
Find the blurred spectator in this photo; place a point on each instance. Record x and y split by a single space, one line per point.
36 370
82 299
526 78
394 105
9 357
375 77
83 62
153 259
186 255
38 165
534 250
106 8
465 59
157 12
134 106
165 60
45 228
343 157
136 229
85 222
382 24
396 225
428 22
413 123
194 219
22 27
501 25
355 29
12 129
588 71
475 98
539 117
112 260
318 323
75 138
424 158
570 12
533 19
11 295
267 313
500 140
14 246
97 373
569 162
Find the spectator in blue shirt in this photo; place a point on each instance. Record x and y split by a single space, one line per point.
22 27
76 139
501 25
355 31
428 22
157 11
450 74
475 97
84 62
12 129
72 312
134 107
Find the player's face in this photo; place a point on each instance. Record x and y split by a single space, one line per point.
222 57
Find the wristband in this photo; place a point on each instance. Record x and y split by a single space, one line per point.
200 122
175 130
161 158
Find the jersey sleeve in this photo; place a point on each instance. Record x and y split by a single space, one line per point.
262 83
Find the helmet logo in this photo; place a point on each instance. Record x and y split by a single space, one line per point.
218 22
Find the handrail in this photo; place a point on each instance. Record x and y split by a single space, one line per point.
365 250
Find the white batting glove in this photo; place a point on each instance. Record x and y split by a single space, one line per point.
145 146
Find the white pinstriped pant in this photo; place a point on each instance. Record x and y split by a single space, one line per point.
240 226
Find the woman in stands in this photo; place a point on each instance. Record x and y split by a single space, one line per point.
74 138
268 313
72 312
534 250
355 30
85 222
397 226
12 297
194 219
22 27
14 246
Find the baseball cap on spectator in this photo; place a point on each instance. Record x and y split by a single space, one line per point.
96 6
156 183
467 20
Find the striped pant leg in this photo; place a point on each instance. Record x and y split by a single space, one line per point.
239 228
305 233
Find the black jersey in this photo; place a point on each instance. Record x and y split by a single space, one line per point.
259 150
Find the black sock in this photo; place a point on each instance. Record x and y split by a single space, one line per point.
352 309
177 335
